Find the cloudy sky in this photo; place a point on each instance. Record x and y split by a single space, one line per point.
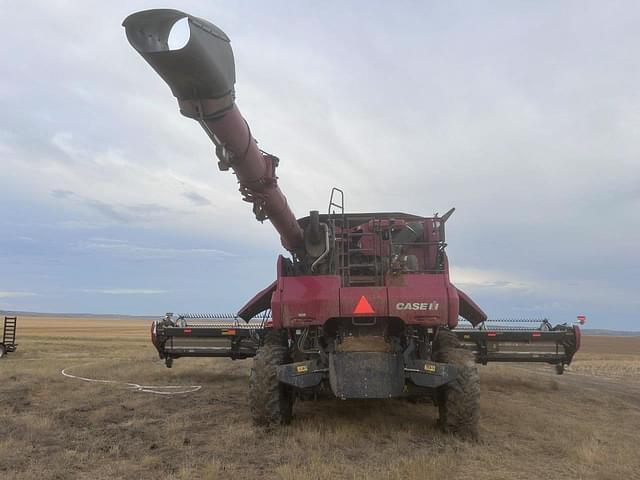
525 116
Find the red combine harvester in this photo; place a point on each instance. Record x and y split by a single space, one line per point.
363 307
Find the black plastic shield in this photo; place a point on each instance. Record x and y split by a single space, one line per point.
431 374
366 374
301 374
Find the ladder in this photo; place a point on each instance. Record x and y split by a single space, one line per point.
9 332
368 260
349 245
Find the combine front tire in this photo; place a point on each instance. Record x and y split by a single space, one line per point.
458 401
270 401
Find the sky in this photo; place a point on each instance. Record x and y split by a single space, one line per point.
525 116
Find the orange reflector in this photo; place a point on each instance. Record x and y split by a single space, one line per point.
228 332
492 334
363 306
186 330
535 334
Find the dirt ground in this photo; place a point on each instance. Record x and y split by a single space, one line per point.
535 424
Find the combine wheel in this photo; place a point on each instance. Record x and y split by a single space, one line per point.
270 401
559 368
458 401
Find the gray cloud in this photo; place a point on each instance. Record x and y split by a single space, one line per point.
124 291
6 294
119 213
61 194
197 199
126 249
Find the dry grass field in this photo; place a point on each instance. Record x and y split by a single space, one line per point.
582 425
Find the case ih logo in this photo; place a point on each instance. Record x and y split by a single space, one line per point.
417 306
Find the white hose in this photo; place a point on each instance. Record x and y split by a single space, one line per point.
157 389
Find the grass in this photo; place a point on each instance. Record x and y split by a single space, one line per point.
614 357
53 427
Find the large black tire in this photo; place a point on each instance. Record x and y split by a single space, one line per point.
459 400
2 350
270 402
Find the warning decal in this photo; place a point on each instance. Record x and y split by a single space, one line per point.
363 306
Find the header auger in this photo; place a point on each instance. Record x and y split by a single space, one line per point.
364 308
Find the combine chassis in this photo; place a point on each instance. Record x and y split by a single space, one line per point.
228 336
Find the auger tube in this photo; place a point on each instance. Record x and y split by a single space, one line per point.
201 76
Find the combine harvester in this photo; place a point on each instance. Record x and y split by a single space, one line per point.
362 307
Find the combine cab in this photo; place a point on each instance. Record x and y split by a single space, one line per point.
362 307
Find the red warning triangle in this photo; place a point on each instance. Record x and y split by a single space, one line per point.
363 306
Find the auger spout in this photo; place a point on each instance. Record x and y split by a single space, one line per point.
201 76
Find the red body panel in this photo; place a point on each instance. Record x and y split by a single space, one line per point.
469 309
305 300
259 303
424 299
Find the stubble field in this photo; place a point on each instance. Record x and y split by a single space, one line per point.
582 425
